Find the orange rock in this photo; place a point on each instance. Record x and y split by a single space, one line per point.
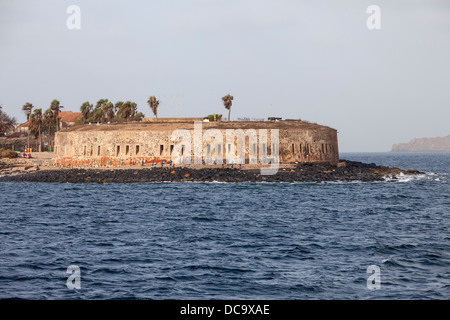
173 172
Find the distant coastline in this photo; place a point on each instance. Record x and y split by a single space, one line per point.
437 144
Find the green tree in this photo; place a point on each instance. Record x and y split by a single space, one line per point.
97 115
126 110
36 125
117 107
48 123
227 102
122 110
6 122
27 108
153 103
108 111
133 109
86 110
139 115
100 110
55 107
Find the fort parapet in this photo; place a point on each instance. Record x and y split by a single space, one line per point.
114 144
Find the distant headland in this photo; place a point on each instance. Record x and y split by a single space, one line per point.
438 144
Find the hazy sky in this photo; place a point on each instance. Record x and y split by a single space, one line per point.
314 60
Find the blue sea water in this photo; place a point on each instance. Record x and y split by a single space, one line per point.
231 240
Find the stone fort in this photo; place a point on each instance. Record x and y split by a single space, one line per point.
151 140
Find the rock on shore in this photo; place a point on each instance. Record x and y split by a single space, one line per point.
305 172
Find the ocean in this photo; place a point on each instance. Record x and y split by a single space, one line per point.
193 240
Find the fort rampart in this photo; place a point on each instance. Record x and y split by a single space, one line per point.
134 143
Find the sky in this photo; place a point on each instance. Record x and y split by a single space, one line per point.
310 60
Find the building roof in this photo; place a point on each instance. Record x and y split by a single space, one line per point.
61 114
71 117
170 126
65 116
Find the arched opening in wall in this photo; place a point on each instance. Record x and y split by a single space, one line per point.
182 149
137 149
171 149
293 150
91 153
264 150
219 151
323 148
127 150
117 151
98 151
161 149
84 151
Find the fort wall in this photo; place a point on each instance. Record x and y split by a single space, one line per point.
113 144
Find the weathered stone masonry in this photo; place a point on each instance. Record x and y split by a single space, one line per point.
113 144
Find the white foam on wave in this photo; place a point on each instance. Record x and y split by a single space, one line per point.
407 178
401 177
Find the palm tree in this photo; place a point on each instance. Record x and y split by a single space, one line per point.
55 107
133 109
36 125
126 110
48 121
108 111
86 109
101 114
153 103
227 102
100 103
122 110
27 108
97 114
117 107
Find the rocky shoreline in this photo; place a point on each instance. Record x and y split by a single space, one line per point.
346 171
